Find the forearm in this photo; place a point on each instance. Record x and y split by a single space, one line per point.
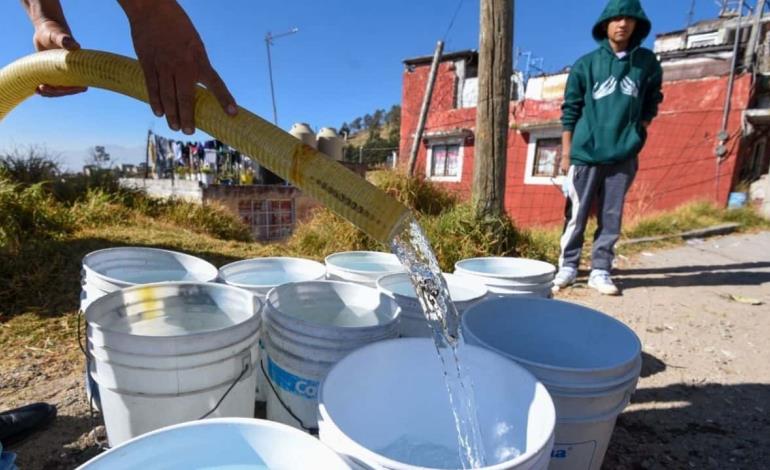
566 141
40 11
137 8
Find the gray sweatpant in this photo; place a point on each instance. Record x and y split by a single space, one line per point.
607 185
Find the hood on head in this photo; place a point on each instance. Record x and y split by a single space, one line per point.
631 8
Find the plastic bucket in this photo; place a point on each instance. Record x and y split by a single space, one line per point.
220 443
464 292
111 269
589 361
309 326
362 267
116 268
259 275
388 392
510 276
166 353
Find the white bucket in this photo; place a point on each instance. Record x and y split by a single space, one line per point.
220 443
391 390
166 353
589 361
116 268
464 292
259 275
309 326
111 269
510 276
362 267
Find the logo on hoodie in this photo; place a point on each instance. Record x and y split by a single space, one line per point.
605 89
608 87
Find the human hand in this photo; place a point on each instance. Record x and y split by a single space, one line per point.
174 60
52 34
565 162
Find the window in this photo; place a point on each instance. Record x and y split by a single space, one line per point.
547 157
445 161
543 157
269 219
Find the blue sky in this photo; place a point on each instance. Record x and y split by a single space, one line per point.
344 62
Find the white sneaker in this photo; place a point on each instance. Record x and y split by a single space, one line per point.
564 277
601 281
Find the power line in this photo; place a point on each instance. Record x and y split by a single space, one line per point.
454 17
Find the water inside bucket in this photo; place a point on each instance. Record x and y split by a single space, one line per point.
262 278
170 322
146 276
413 250
419 451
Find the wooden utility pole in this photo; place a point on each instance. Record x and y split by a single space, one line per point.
749 59
425 106
495 56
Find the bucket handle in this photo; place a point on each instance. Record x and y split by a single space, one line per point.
245 368
101 443
312 430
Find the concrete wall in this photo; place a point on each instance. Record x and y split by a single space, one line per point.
166 188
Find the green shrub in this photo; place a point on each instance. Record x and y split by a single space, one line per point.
28 213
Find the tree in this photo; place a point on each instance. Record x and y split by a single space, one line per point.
356 124
344 130
99 157
368 121
495 52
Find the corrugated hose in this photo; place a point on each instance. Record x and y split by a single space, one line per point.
316 174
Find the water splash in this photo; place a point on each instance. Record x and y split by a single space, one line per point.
413 250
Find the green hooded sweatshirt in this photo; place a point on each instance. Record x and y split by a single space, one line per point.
607 98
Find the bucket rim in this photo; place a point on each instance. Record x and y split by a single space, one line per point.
479 290
330 265
293 259
215 422
255 316
397 465
210 268
579 370
548 268
270 309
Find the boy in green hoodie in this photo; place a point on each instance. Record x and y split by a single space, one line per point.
611 97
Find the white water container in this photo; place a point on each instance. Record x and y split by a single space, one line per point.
303 132
309 326
115 268
166 353
110 269
399 385
362 267
510 276
220 443
589 361
259 275
464 292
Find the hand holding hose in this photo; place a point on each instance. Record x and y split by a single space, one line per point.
51 32
174 60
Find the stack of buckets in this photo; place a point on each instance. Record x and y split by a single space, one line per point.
166 353
259 276
113 269
589 361
463 291
505 276
309 327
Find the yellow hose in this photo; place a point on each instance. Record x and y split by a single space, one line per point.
317 175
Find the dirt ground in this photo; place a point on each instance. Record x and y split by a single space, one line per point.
703 400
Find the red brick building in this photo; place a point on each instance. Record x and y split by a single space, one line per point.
677 165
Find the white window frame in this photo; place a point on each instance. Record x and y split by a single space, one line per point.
460 156
534 136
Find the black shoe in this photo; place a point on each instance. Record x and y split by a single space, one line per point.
20 423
